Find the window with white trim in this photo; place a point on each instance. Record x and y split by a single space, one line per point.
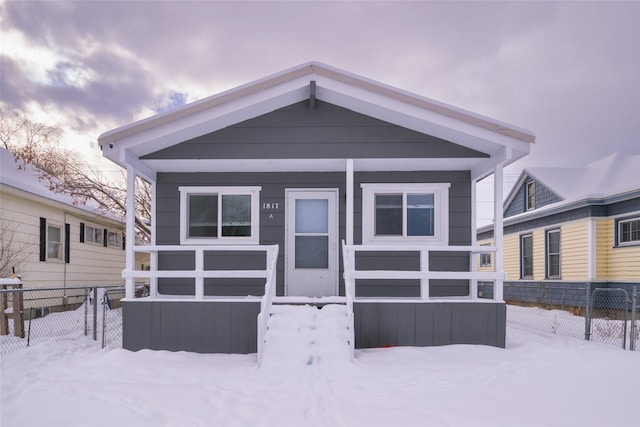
530 195
485 258
405 213
114 238
54 242
526 256
553 254
219 215
93 234
628 231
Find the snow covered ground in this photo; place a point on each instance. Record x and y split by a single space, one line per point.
540 379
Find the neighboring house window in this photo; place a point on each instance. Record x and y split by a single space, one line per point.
114 238
526 256
553 254
485 259
219 215
93 234
405 213
54 242
530 195
628 231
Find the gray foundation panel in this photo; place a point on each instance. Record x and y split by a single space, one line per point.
197 326
429 324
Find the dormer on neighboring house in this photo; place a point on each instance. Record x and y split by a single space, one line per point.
530 193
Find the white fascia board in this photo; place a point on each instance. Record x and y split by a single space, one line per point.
310 165
416 118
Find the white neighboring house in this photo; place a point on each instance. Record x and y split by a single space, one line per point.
52 241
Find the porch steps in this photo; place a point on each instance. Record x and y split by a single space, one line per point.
306 335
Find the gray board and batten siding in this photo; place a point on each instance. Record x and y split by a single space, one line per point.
231 327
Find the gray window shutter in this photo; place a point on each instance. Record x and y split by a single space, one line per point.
67 243
82 232
43 239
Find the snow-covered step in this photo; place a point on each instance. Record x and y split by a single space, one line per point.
304 335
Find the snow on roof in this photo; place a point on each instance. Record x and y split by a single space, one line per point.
27 180
614 174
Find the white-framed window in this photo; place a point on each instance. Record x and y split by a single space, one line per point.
405 213
526 256
93 234
114 238
530 197
553 254
485 259
219 215
628 231
54 242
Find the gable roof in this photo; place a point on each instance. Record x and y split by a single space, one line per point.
26 180
126 145
614 175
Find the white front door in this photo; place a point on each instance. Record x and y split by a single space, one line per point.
311 242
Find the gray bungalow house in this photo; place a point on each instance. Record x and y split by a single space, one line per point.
313 185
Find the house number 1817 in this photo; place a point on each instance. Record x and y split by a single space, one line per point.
270 206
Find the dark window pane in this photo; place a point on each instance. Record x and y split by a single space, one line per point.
527 256
312 252
203 215
236 215
630 231
420 212
388 215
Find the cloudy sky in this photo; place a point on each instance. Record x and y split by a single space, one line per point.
568 71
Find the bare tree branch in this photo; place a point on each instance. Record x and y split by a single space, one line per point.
66 172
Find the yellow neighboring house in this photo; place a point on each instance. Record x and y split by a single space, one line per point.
51 241
566 228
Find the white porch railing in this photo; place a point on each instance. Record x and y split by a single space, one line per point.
199 274
424 274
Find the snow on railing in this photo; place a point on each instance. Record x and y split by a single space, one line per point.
350 293
267 299
424 274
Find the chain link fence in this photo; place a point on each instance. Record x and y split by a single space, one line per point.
607 315
32 316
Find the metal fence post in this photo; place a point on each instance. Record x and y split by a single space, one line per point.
86 311
104 317
587 312
95 314
634 311
29 333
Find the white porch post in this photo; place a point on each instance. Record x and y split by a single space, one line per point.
130 231
498 230
473 257
153 256
349 195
